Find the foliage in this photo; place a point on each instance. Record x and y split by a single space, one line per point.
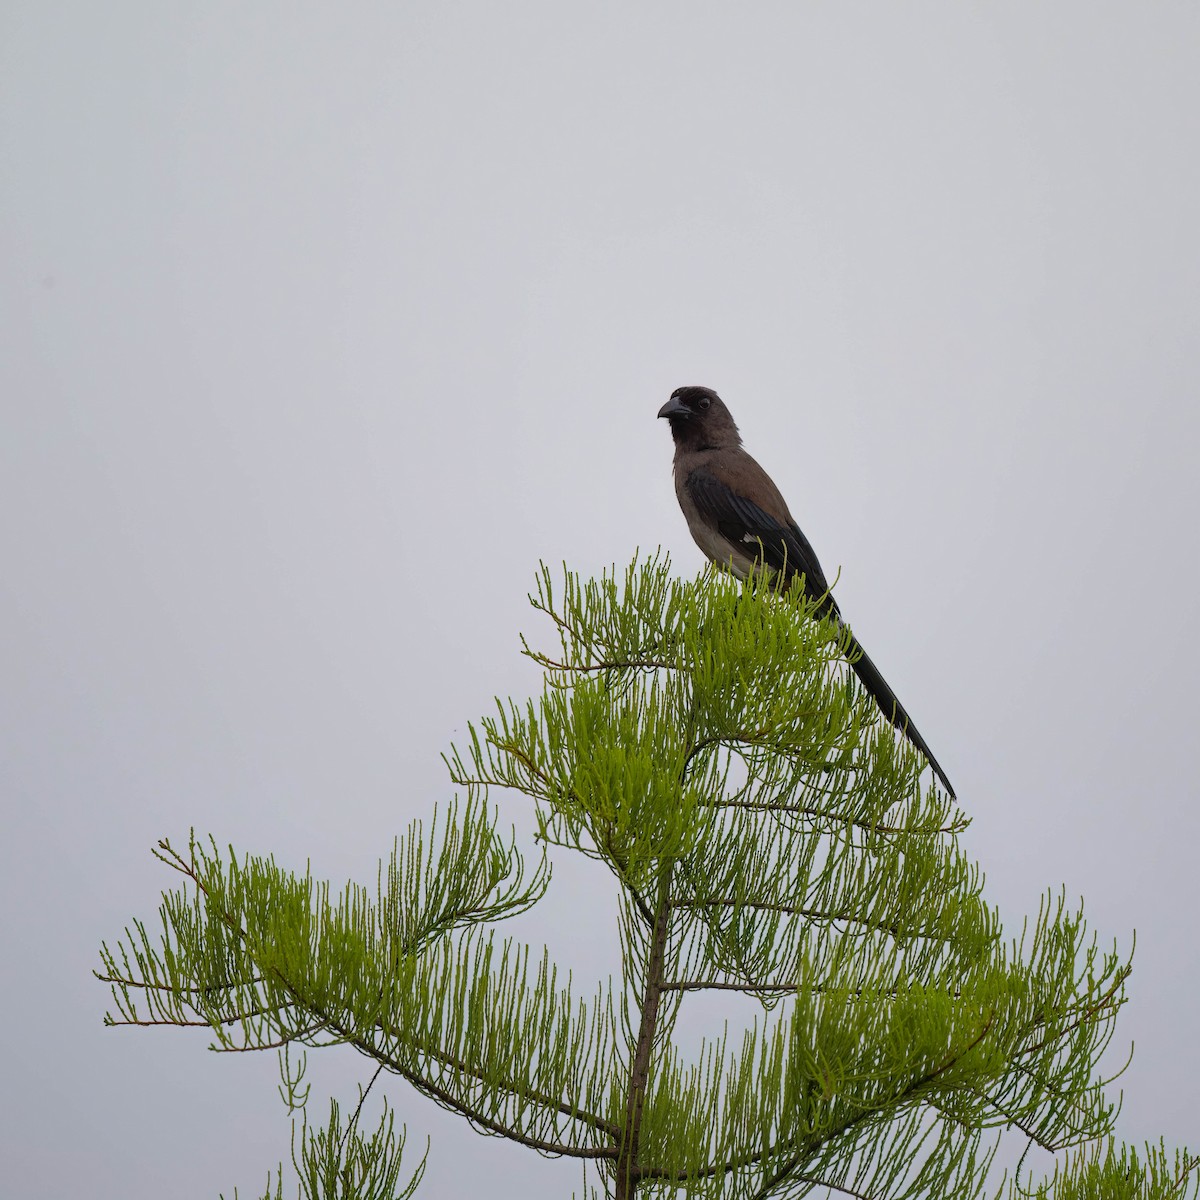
769 836
338 1163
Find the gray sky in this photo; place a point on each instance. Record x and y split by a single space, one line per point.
320 325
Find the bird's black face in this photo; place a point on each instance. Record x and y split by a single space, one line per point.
699 419
688 402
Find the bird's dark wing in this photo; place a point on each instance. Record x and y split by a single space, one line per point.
754 532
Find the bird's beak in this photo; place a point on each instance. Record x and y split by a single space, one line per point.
674 408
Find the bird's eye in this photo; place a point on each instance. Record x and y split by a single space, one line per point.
704 401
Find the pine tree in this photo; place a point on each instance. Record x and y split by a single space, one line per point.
768 837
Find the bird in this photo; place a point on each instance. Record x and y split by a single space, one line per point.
739 518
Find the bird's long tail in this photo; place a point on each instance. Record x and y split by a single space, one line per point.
877 686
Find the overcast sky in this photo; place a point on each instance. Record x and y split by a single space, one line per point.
321 324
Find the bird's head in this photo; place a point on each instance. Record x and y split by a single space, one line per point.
699 419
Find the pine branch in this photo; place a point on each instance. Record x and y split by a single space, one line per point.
958 825
783 1173
477 1116
554 1104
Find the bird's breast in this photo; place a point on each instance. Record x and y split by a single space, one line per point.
716 548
